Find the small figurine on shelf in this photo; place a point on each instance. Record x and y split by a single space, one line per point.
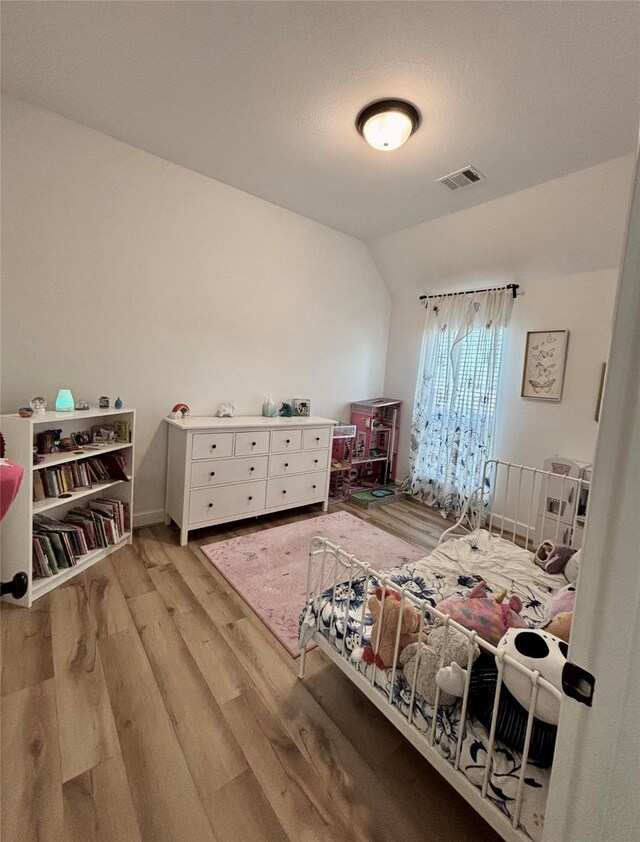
118 404
103 402
38 405
286 411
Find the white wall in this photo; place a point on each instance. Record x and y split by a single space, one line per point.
127 275
562 242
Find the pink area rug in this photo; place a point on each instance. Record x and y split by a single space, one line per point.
269 568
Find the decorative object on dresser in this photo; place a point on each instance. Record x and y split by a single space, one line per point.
75 506
544 361
301 407
222 469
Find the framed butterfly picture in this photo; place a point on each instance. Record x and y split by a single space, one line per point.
544 361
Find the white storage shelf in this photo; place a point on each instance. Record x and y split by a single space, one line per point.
16 530
222 469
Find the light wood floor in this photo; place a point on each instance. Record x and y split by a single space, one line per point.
144 700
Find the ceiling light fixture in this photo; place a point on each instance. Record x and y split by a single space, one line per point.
388 123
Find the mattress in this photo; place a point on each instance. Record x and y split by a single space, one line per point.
453 568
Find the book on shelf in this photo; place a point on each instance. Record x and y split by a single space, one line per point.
60 544
79 475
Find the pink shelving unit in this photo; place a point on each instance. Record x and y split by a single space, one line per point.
374 449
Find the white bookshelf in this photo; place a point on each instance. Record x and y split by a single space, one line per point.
17 527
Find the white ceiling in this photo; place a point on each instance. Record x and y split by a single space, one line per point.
264 95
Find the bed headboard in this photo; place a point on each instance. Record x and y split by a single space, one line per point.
526 505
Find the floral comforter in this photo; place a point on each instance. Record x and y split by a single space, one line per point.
454 567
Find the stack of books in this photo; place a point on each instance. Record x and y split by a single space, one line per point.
59 544
75 476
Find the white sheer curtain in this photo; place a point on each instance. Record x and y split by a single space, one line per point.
455 403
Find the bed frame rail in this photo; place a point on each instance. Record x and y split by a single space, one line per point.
330 566
507 503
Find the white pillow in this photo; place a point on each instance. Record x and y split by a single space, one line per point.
572 567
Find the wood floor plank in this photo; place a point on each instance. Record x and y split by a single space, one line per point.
98 805
173 590
223 672
164 794
150 549
106 600
30 785
211 751
131 572
199 574
87 730
352 784
26 645
295 792
243 813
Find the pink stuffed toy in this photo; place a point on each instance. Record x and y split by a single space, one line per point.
489 617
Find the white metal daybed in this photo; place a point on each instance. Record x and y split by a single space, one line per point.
506 788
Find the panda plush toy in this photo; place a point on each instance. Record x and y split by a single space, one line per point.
535 649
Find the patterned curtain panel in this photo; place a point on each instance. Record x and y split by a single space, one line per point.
454 410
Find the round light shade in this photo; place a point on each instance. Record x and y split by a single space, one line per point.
387 124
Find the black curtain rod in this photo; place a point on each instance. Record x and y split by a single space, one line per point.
513 287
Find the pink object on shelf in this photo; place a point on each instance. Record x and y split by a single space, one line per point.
10 480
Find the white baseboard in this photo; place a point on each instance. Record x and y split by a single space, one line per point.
148 518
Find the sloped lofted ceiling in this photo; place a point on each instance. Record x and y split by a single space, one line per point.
263 95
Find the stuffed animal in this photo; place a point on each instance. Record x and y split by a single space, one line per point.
225 410
553 556
383 636
456 650
563 600
535 649
489 617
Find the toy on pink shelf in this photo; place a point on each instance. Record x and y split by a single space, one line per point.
489 616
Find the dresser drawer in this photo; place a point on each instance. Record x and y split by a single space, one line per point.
212 445
221 471
207 504
302 462
283 441
249 443
319 437
283 491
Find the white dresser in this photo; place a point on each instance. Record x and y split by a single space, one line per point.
222 469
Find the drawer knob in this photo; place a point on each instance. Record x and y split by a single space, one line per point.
253 444
252 469
284 490
316 461
286 464
250 498
288 441
210 505
214 446
313 486
317 438
213 473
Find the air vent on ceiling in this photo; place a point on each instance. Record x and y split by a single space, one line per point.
461 178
